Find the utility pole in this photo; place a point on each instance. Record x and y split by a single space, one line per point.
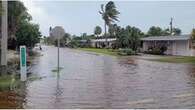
4 33
171 26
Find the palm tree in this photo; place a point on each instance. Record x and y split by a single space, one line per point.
129 37
112 30
155 31
193 34
109 14
97 30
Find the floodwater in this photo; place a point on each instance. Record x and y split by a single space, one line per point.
88 80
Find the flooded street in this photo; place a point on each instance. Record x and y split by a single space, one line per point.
88 80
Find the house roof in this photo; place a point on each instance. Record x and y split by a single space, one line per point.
103 40
166 38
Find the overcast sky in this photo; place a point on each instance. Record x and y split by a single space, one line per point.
82 16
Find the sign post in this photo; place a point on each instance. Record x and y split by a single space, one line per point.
58 32
23 70
58 55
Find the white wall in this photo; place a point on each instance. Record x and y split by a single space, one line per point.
175 48
181 48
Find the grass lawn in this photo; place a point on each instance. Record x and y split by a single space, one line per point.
170 59
100 51
177 59
6 81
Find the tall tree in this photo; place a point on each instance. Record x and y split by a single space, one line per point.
129 37
64 40
112 30
155 31
84 35
166 32
28 34
193 34
17 13
135 34
109 15
175 31
97 30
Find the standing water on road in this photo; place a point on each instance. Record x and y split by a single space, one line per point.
88 80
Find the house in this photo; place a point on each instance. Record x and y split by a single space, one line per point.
175 45
101 43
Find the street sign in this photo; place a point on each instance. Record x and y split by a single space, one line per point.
23 70
58 32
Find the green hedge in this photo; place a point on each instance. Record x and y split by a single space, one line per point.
126 51
157 50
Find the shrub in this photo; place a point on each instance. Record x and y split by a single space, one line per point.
126 51
73 44
157 50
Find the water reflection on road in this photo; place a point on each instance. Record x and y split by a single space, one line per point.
99 81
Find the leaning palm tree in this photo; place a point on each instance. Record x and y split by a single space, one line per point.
109 14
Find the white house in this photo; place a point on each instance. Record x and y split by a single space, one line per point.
176 45
100 43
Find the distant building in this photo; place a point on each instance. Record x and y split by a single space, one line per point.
175 45
101 43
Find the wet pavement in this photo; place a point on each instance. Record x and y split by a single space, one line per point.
88 80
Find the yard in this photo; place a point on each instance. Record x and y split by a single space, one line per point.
170 59
176 59
101 51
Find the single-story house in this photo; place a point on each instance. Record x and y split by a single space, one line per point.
100 43
175 45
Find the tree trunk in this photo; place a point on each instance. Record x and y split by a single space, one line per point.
4 34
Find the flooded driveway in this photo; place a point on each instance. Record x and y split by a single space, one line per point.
88 80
